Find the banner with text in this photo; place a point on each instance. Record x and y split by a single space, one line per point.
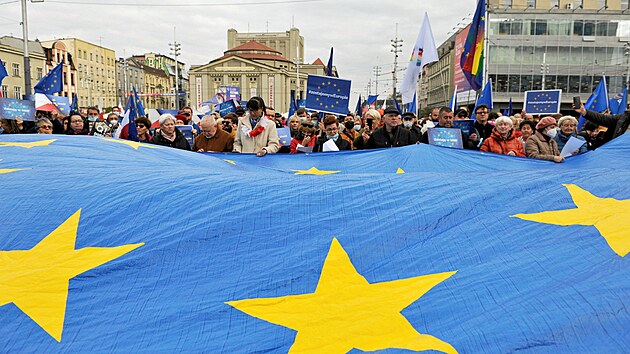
543 101
11 108
328 94
446 137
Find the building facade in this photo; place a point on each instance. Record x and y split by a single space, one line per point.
130 74
290 44
55 54
256 70
96 72
12 56
545 44
167 65
156 83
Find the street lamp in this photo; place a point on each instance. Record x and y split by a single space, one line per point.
27 59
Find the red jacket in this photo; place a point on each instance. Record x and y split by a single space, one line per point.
495 143
295 142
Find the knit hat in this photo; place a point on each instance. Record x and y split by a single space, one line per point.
545 122
182 117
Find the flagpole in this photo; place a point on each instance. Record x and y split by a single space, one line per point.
27 59
486 44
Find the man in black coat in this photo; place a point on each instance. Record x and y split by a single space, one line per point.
618 123
391 134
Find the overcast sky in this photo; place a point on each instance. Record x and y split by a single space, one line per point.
359 30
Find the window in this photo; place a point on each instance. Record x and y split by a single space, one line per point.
40 73
17 92
5 91
91 57
16 69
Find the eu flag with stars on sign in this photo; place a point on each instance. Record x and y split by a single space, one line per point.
52 82
327 94
168 251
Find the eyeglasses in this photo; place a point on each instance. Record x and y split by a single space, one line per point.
76 121
140 125
308 125
47 127
481 112
330 130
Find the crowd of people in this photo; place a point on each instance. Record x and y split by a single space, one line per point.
254 129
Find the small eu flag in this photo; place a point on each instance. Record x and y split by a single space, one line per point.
52 82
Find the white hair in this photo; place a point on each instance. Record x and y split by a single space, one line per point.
208 119
503 119
166 116
567 118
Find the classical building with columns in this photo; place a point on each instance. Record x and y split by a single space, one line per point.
257 69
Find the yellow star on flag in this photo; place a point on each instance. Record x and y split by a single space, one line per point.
314 171
27 145
400 171
134 144
230 162
347 312
9 170
609 216
37 280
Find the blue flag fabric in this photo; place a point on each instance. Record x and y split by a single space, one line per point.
327 94
52 82
397 106
74 106
510 110
484 98
3 73
413 105
329 67
292 104
61 102
619 103
478 269
598 101
138 103
358 109
371 99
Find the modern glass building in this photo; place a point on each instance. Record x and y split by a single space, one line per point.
568 49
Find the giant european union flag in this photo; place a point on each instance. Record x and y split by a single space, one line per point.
327 94
163 250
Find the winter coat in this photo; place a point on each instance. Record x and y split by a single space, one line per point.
541 147
180 141
268 139
497 144
295 142
561 139
341 143
618 123
380 138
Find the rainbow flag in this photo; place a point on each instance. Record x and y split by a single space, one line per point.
473 55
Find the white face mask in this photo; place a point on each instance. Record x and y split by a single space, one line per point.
113 122
407 124
552 133
357 127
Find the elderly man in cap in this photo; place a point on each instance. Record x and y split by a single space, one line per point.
391 134
212 139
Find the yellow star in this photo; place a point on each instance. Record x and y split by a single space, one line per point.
9 170
134 144
347 312
27 145
400 171
230 162
610 217
314 171
37 280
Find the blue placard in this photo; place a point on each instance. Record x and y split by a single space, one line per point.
543 101
446 137
11 108
285 136
466 125
327 94
187 131
61 102
226 107
233 93
302 104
